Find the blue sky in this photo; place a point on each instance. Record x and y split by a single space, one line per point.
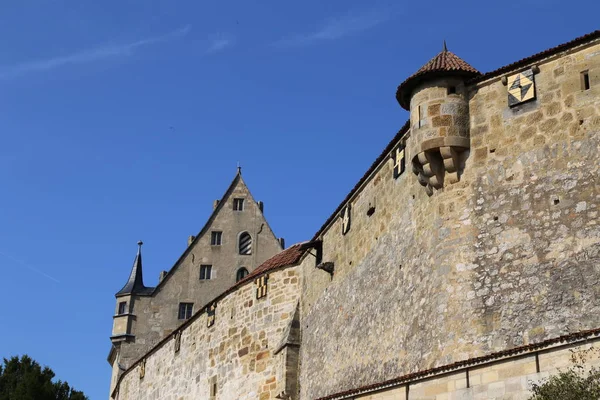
124 120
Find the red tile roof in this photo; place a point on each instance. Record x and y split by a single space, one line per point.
445 63
289 256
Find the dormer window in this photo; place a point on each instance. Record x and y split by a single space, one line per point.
238 204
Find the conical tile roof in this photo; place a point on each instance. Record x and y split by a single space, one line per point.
445 63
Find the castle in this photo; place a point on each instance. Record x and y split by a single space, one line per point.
464 264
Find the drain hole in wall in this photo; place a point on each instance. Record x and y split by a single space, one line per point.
492 150
496 218
556 201
580 122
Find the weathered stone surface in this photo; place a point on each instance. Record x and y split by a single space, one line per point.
236 354
507 256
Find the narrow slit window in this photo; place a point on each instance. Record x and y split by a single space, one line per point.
205 272
585 80
185 310
419 115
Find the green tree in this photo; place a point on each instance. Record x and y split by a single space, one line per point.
24 379
576 383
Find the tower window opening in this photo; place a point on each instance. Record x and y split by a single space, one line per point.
215 238
585 80
205 272
122 308
238 204
452 90
245 244
185 310
419 116
241 274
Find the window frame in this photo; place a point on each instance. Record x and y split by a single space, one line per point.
122 309
238 204
239 274
204 268
239 243
216 238
185 309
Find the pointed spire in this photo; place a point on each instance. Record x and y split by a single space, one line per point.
135 283
445 47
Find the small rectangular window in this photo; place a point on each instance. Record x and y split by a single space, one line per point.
585 80
215 238
185 310
238 204
205 272
451 89
122 307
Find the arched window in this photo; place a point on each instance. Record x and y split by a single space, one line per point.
241 274
245 243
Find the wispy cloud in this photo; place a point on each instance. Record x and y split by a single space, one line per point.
219 43
89 55
337 28
23 263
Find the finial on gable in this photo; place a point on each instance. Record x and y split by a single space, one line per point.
445 47
239 169
140 243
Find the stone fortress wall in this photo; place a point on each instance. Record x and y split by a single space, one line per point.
509 255
241 356
495 245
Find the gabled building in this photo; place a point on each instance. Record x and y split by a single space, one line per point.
234 241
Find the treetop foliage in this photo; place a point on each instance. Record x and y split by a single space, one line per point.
576 383
24 379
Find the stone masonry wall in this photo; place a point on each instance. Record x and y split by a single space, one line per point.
237 353
508 379
156 316
509 255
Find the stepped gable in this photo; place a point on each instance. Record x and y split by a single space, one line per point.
445 64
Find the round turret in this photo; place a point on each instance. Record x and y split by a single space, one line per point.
439 117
